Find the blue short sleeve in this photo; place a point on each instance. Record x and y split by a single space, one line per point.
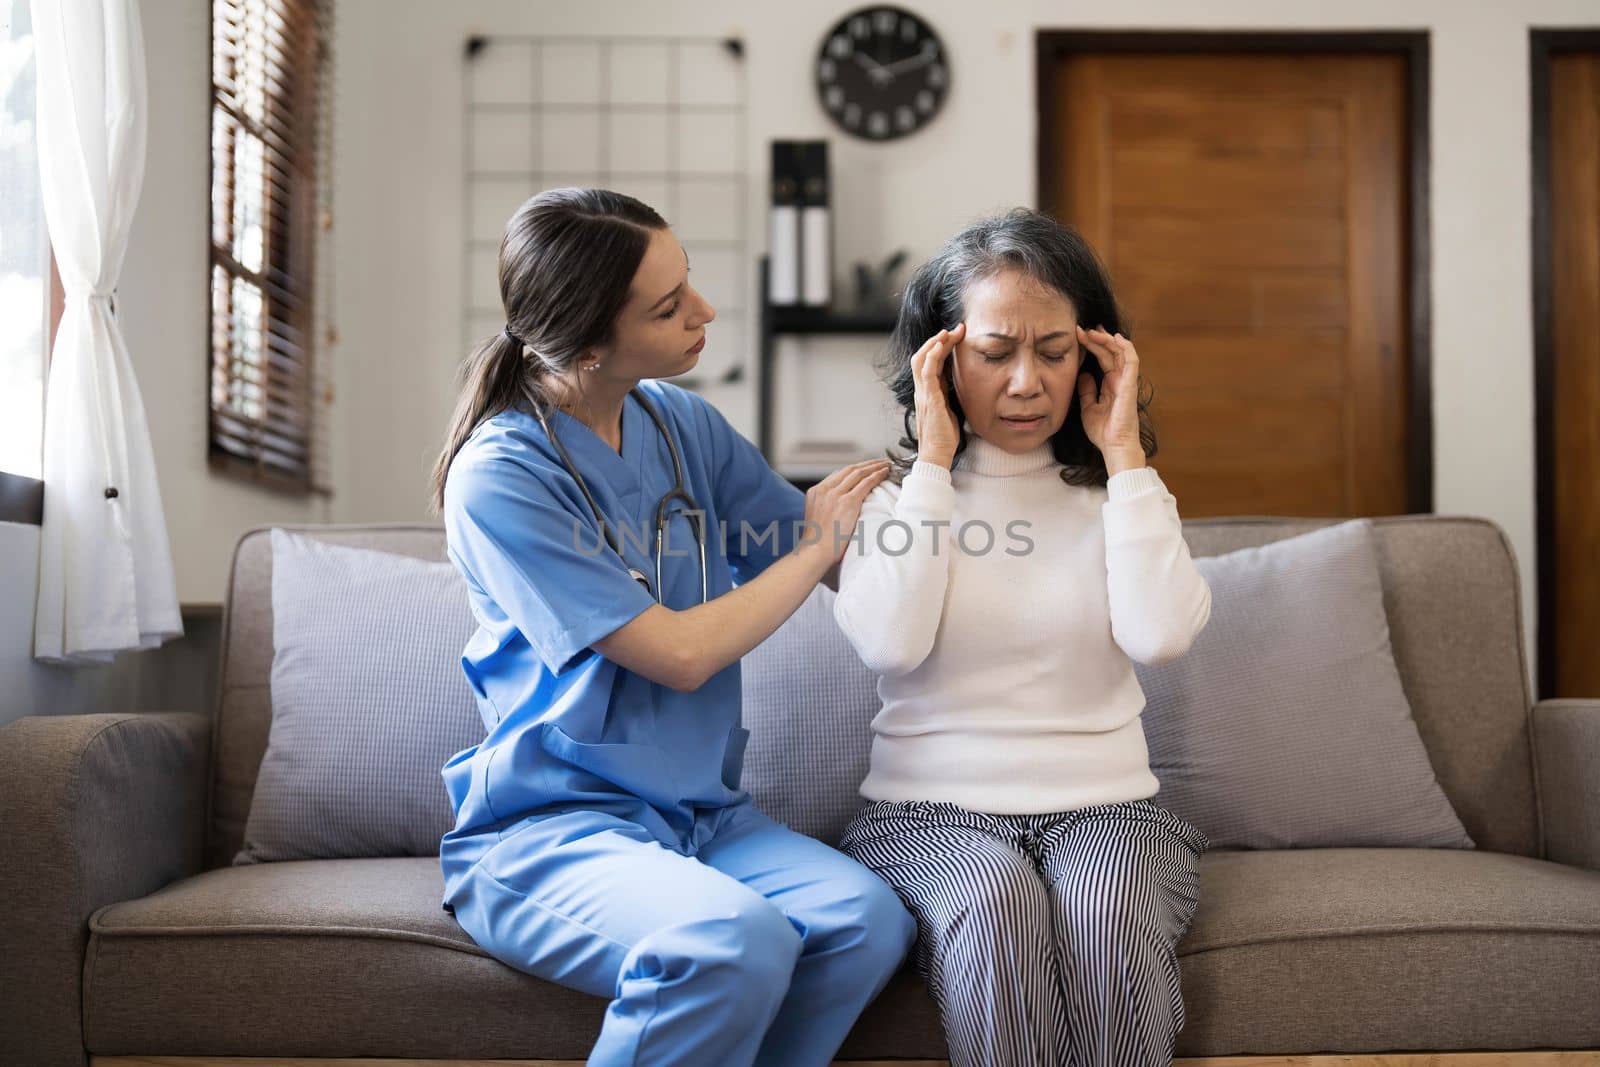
543 563
751 496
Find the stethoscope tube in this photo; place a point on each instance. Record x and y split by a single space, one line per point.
662 518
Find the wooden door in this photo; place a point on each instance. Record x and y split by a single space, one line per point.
1570 381
1252 209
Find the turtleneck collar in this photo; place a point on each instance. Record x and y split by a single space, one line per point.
983 457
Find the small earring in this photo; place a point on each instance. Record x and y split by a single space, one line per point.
592 366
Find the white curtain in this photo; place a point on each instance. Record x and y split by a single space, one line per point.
105 569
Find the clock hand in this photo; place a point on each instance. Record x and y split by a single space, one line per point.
876 72
867 61
912 62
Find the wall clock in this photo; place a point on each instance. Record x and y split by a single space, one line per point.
882 73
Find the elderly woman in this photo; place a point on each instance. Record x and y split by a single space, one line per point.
1005 578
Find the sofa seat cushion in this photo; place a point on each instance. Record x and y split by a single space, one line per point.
326 958
1364 950
1291 952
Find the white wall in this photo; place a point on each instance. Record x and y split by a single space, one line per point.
399 192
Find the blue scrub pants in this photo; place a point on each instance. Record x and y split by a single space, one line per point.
763 947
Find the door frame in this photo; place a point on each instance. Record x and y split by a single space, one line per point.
1051 45
1542 44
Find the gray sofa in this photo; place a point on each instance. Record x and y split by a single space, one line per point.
126 933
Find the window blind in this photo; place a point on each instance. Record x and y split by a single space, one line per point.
269 210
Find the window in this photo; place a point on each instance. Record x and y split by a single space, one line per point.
270 214
24 253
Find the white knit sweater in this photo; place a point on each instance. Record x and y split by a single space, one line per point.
1004 670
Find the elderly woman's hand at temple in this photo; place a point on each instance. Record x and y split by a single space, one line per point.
1111 418
937 432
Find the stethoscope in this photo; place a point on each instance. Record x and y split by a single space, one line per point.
676 493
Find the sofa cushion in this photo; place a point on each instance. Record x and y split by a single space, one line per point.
1451 595
1291 952
368 702
1372 950
1285 724
808 704
352 957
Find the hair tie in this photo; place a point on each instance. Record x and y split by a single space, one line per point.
513 338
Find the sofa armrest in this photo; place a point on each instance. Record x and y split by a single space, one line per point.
1566 749
96 809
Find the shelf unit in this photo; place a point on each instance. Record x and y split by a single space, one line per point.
780 320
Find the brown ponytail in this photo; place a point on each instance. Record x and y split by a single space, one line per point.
495 378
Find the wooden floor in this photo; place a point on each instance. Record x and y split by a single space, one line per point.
1390 1059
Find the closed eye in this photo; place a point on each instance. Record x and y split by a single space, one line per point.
1050 357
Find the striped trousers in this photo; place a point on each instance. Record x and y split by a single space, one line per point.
1045 939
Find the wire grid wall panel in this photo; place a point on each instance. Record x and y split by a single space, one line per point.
661 119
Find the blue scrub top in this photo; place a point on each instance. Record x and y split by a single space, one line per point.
566 727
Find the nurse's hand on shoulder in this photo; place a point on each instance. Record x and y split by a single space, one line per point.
833 507
682 649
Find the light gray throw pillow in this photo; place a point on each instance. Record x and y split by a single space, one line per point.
368 703
1285 725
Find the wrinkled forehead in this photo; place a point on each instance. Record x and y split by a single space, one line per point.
1015 304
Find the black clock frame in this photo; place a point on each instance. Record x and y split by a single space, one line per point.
857 80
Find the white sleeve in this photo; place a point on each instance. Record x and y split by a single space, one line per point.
1159 600
890 601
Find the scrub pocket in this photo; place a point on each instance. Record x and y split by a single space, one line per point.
733 757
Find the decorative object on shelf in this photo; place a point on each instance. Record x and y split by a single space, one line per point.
882 73
662 119
783 283
876 289
816 226
803 321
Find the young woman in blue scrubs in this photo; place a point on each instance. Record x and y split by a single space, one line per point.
601 838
